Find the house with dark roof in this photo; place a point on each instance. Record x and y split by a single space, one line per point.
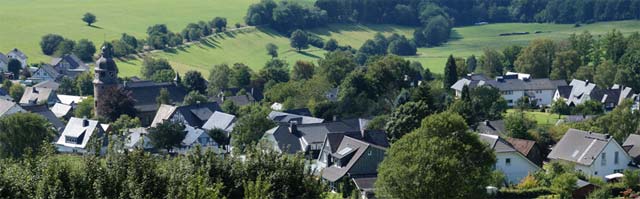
145 94
46 73
79 133
255 93
37 95
513 87
309 138
195 115
69 65
529 148
138 138
18 55
284 117
495 127
343 156
509 160
43 110
238 100
593 154
579 91
4 94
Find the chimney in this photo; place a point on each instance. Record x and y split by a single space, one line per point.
586 82
607 136
85 121
124 83
33 89
500 78
335 118
487 123
293 127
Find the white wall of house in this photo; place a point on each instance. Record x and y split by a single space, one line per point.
609 165
514 166
544 97
41 75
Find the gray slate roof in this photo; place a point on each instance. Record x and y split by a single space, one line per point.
495 127
6 105
508 83
194 115
355 147
17 53
581 147
220 120
580 91
311 133
146 92
632 146
4 59
48 84
61 110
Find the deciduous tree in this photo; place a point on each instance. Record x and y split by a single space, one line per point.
89 18
167 135
23 131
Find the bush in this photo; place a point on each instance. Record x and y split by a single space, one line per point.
523 193
315 41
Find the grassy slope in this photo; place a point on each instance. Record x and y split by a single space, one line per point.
24 22
541 118
249 47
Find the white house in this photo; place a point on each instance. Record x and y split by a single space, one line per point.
46 73
514 86
593 154
18 55
578 91
81 135
509 161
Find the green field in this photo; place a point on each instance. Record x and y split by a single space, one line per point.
541 118
24 22
248 47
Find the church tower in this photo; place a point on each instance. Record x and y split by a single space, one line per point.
106 77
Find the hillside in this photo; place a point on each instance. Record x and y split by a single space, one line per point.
248 46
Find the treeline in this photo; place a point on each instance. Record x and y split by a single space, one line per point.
606 60
136 174
467 12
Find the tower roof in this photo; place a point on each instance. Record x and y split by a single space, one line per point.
106 63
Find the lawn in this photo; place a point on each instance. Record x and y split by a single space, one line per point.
24 22
541 118
248 47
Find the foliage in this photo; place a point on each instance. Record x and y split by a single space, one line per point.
167 135
518 125
528 182
125 122
49 43
84 49
335 66
250 126
272 50
426 163
589 107
89 18
491 63
560 107
302 70
66 46
193 81
331 45
523 193
537 58
116 102
84 84
275 71
220 23
14 66
631 179
229 107
22 132
299 40
220 137
84 108
603 192
564 185
450 73
194 97
151 65
406 118
163 97
16 91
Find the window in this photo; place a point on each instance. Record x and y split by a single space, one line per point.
604 159
595 173
618 171
615 158
507 161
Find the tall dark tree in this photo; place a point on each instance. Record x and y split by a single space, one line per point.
163 97
251 126
472 63
151 65
336 65
84 49
14 66
406 118
49 43
331 45
491 63
303 70
193 81
220 23
167 135
450 73
220 137
117 102
272 50
219 78
66 46
299 40
89 18
537 58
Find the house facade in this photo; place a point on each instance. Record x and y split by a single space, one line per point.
69 65
18 55
82 135
509 161
593 154
513 87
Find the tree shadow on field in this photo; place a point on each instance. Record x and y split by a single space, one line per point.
339 28
230 34
94 26
308 54
209 43
270 32
170 50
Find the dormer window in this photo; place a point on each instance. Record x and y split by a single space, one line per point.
70 140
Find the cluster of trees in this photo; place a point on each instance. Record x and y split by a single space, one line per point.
137 174
381 45
160 37
127 44
82 85
412 12
285 16
195 31
57 45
